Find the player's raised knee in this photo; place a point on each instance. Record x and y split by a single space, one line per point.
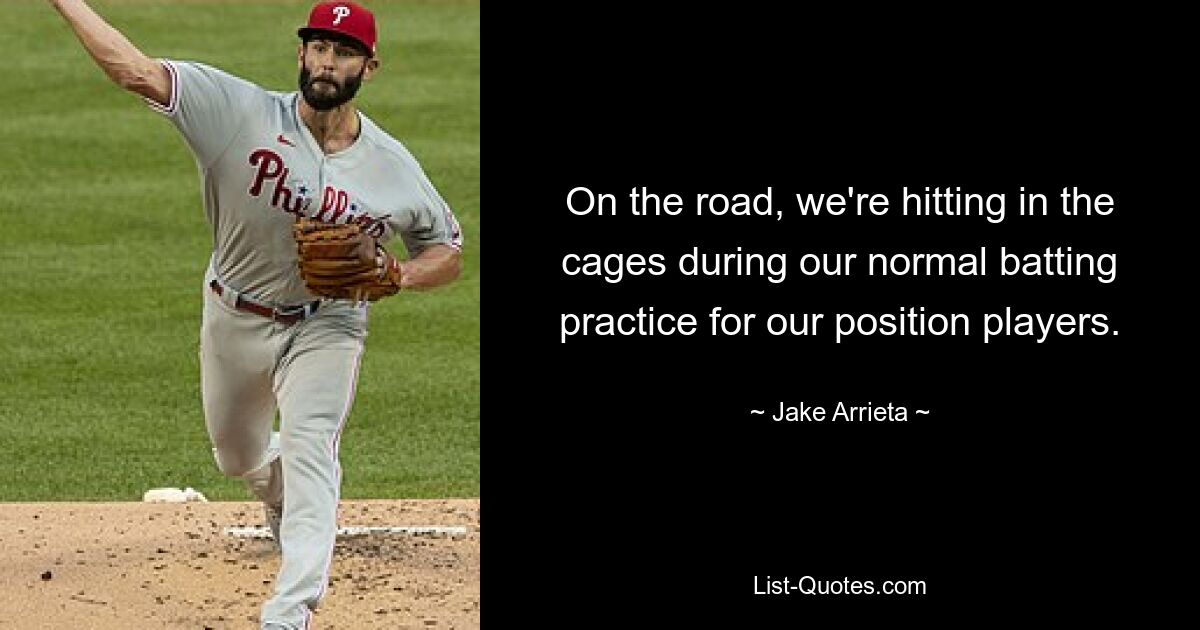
234 464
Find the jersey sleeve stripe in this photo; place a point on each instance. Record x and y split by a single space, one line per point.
456 240
173 101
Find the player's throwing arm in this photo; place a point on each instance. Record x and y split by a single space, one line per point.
124 64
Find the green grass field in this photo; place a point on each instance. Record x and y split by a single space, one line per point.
104 244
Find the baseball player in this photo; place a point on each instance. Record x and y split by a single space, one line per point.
283 330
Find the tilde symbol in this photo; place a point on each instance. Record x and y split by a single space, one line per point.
341 12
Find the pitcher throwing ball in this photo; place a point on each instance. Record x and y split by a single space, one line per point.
302 192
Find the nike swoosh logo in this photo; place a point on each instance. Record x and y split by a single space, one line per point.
285 140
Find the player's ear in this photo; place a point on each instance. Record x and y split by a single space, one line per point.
300 56
372 66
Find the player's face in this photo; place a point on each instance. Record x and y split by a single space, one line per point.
331 72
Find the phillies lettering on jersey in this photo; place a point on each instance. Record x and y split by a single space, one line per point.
335 203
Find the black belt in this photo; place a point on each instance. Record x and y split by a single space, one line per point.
286 317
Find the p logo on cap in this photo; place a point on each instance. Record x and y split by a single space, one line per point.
344 18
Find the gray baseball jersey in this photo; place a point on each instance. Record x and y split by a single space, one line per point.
261 167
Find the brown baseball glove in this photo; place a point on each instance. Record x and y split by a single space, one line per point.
344 262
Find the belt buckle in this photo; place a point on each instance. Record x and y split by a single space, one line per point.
299 313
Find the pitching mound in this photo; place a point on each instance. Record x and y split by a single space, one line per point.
137 565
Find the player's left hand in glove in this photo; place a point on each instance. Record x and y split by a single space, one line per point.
344 262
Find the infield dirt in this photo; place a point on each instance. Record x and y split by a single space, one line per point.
139 565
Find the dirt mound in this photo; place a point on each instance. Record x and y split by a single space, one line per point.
138 565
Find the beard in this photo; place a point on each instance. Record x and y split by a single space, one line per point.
329 95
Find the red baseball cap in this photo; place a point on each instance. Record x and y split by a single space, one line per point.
345 18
